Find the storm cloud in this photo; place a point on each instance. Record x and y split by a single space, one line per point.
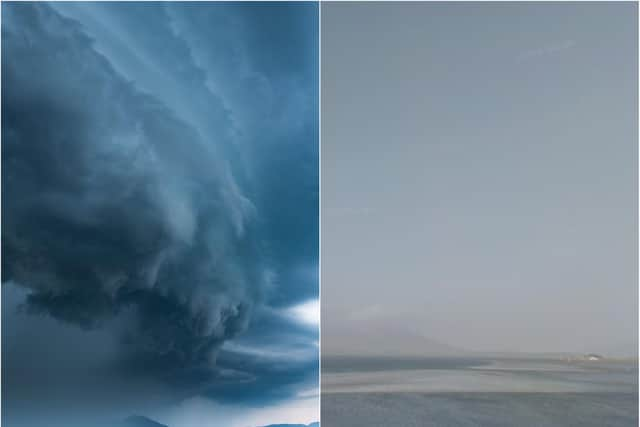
150 191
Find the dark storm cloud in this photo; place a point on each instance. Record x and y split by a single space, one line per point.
113 202
247 77
271 380
277 41
167 212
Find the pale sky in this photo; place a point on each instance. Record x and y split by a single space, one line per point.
479 174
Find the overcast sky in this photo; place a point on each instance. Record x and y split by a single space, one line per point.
479 175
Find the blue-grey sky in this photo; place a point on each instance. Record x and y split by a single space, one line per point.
160 222
479 177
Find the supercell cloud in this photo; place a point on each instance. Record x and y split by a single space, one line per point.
159 182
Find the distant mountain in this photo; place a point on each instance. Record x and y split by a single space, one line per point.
382 337
140 421
316 424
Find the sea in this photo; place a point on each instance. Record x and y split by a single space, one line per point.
482 391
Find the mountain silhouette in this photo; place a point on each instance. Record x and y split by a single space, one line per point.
316 424
140 421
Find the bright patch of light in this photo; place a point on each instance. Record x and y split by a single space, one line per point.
307 312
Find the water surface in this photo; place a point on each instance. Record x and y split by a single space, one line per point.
478 392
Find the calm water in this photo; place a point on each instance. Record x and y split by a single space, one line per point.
478 392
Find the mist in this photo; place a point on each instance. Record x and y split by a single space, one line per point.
479 178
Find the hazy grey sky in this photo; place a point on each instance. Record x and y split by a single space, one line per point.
479 174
